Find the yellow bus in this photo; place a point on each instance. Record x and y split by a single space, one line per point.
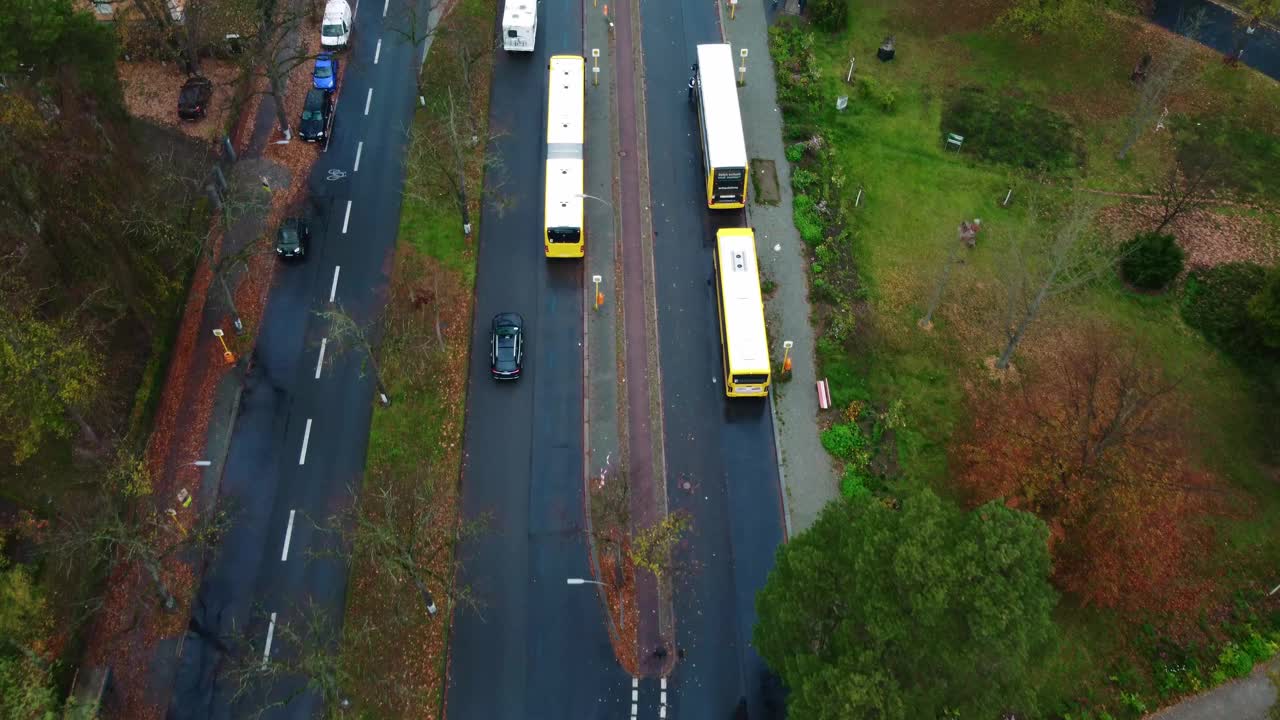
744 347
562 232
724 150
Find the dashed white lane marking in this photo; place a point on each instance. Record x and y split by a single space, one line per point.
288 535
320 360
635 695
377 51
359 149
306 438
333 289
271 631
385 3
662 708
367 100
346 218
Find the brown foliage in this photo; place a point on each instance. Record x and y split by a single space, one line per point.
1094 442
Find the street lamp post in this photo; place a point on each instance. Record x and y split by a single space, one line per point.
593 197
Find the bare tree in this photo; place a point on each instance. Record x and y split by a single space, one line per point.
127 526
940 286
1063 266
1162 76
303 658
1186 187
405 535
348 335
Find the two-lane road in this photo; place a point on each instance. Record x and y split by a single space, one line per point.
721 461
298 447
537 648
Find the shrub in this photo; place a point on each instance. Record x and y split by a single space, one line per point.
853 484
795 153
1216 304
844 440
1151 261
1264 309
1011 131
803 181
806 219
829 15
878 92
1233 662
795 66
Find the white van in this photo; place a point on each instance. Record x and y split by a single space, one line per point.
519 25
335 28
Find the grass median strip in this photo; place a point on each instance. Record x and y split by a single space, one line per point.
402 579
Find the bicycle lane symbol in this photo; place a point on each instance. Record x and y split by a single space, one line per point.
336 174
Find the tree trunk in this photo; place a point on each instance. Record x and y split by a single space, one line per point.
927 320
1015 337
428 602
166 598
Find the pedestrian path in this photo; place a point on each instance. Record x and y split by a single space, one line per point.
808 478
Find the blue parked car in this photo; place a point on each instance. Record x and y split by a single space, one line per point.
325 76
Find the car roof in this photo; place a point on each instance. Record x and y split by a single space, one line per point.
324 58
508 319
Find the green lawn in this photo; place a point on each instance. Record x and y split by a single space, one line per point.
915 194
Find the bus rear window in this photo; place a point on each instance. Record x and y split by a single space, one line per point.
729 177
750 379
564 234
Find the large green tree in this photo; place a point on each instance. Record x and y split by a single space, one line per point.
912 611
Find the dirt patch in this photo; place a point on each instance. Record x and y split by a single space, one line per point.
947 17
1210 237
151 92
764 178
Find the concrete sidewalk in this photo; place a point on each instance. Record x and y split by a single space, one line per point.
1249 698
808 478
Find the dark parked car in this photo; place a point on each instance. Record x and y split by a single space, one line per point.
314 126
325 75
193 98
506 346
292 238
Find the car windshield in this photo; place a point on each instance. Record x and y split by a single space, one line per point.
288 237
332 31
310 114
324 71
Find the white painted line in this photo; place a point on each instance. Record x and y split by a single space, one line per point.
662 712
664 697
635 682
320 360
271 631
346 218
288 535
367 100
385 3
202 463
306 438
635 695
664 683
333 289
377 51
633 707
359 149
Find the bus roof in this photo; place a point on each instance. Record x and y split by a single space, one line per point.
565 100
565 104
564 184
740 301
719 88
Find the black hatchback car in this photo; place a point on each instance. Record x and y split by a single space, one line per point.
506 346
194 97
314 126
292 238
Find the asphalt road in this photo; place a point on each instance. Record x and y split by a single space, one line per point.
723 448
1221 31
537 647
299 443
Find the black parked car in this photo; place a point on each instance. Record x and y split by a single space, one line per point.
506 346
292 238
193 98
314 126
